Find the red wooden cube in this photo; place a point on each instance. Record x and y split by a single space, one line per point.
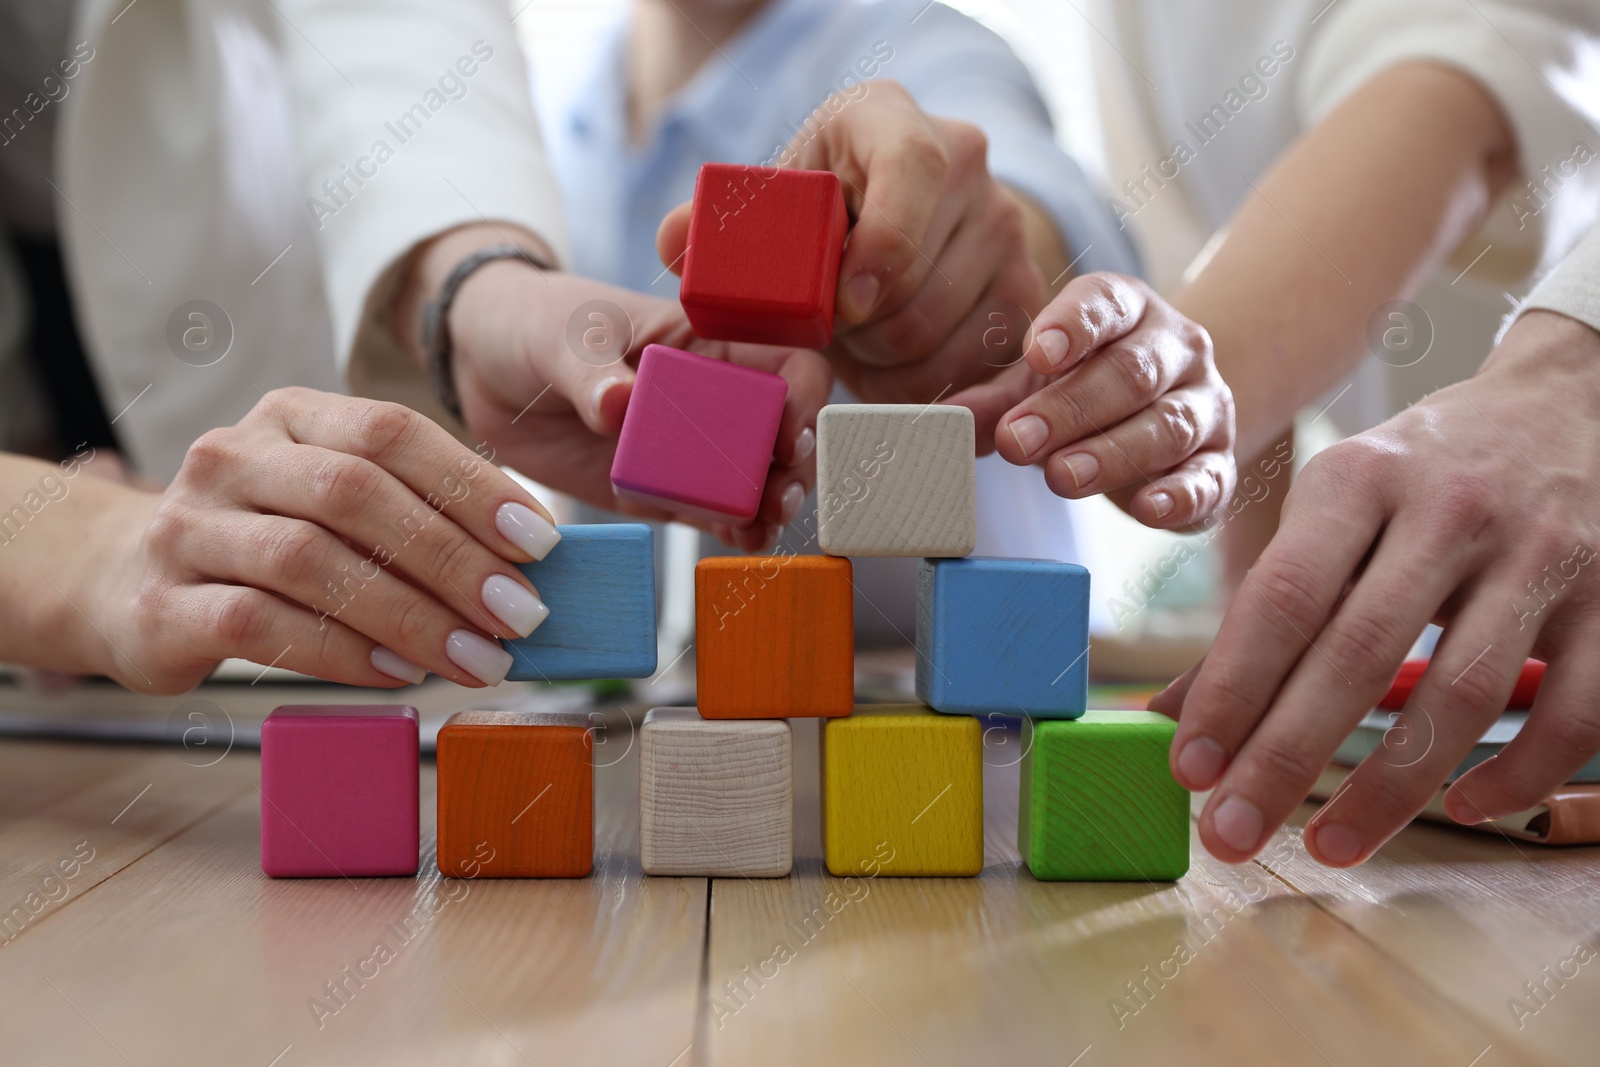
698 435
763 258
339 791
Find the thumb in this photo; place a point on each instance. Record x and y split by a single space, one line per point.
672 238
597 389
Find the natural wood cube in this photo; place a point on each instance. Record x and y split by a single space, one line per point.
716 798
516 795
896 480
1099 803
774 637
763 258
902 792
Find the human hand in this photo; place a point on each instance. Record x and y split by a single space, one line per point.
554 412
1118 394
349 539
1476 508
937 248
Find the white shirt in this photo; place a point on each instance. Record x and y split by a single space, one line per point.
193 154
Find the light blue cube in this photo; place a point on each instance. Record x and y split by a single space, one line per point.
1003 636
600 585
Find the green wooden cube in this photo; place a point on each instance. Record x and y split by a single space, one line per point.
1098 802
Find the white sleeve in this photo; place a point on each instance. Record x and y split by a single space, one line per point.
1540 59
411 117
1573 288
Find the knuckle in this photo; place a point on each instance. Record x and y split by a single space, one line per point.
210 453
969 146
295 552
413 622
1278 760
1362 643
168 531
454 556
922 151
381 428
1291 588
1138 370
1180 426
1467 505
1194 338
240 617
346 485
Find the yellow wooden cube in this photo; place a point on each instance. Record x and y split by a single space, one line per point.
902 792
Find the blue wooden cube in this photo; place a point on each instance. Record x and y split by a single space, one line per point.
600 586
1003 636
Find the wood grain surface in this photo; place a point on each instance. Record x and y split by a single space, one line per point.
168 945
902 792
516 795
774 637
896 480
716 797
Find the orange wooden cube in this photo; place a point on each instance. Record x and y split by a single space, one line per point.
516 795
774 637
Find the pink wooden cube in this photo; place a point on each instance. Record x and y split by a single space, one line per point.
698 435
339 791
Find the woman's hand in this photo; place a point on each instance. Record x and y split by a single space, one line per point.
349 539
1119 394
552 407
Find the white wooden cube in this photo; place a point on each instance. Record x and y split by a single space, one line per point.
716 796
896 480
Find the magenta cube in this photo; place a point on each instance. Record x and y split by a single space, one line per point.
339 791
698 435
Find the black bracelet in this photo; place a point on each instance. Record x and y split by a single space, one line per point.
436 319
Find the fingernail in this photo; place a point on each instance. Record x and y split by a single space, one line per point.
1336 844
860 294
513 605
397 666
1238 823
805 443
600 392
1083 467
1201 762
793 497
1030 432
484 660
527 529
1161 503
1054 345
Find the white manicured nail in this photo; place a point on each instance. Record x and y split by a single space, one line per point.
513 605
396 666
527 529
484 660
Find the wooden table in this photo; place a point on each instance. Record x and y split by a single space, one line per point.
168 946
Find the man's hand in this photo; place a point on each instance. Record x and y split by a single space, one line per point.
1478 507
938 248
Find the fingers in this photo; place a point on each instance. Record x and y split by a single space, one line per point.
1463 691
307 565
1186 495
1561 734
1148 444
217 622
672 236
1090 311
395 531
435 466
990 401
898 168
1285 600
1274 756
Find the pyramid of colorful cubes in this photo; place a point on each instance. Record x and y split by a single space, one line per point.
998 642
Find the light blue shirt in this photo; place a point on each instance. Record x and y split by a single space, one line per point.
751 97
